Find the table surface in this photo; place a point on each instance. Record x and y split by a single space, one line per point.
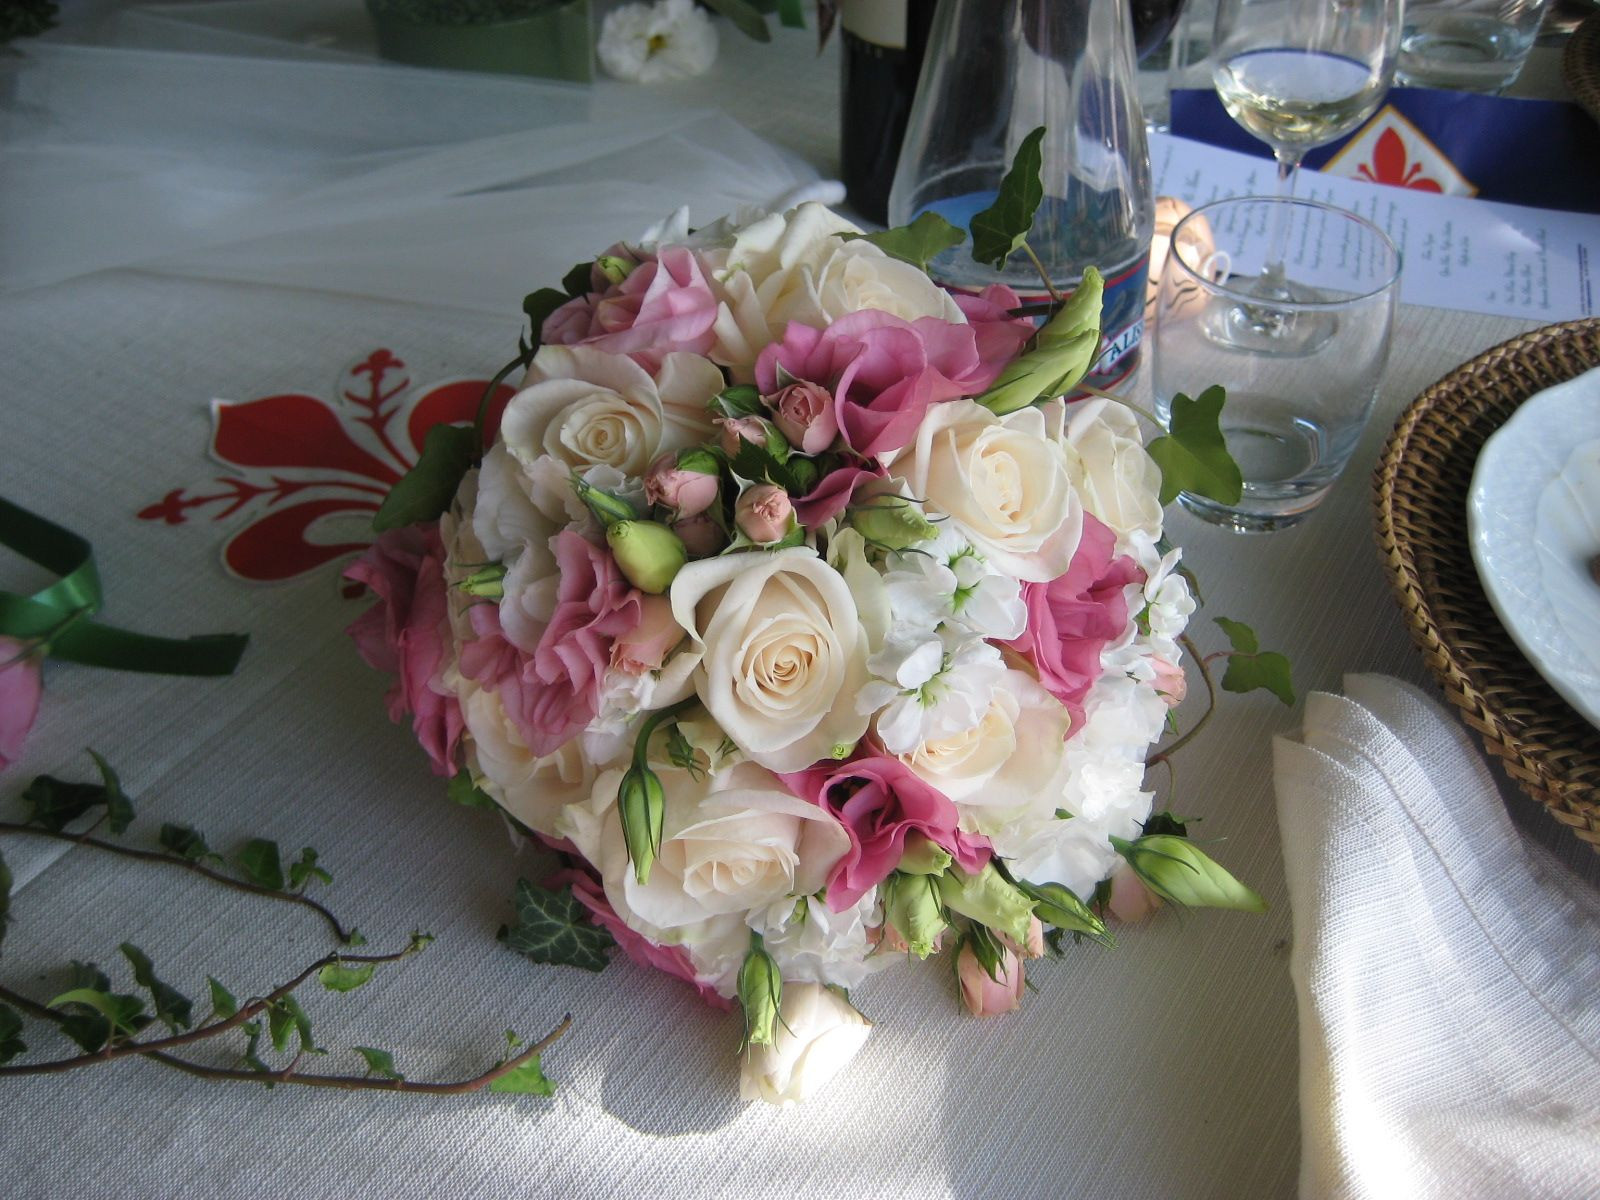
1165 1068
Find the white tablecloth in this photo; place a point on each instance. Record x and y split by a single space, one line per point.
1166 1068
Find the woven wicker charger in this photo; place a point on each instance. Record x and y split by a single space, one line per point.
1421 488
1580 64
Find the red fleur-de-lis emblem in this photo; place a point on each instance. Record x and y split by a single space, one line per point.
307 475
1390 165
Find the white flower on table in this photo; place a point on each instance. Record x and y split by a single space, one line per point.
654 43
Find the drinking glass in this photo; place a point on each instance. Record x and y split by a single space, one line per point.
1291 420
1469 45
1299 74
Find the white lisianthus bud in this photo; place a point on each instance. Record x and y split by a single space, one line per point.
817 1036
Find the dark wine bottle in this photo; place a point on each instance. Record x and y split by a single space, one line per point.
883 41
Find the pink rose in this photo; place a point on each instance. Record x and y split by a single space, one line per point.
1131 900
884 372
685 491
405 634
986 997
1171 684
662 307
803 413
701 536
833 494
999 335
763 512
646 646
735 430
1071 618
674 960
19 697
879 801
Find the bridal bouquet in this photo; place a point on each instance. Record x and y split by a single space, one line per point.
795 606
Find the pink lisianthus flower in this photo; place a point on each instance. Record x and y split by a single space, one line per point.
883 371
1071 618
833 494
551 690
879 802
406 633
20 687
999 335
665 305
674 960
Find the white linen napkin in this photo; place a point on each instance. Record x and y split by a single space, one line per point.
1448 981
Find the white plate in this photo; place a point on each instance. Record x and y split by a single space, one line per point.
1533 520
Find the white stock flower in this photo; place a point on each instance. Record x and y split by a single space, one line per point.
795 267
930 688
780 653
946 581
813 944
1115 476
818 1035
652 43
1002 481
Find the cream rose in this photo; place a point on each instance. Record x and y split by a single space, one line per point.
583 407
796 267
1004 482
1118 481
534 790
818 1035
782 653
1012 756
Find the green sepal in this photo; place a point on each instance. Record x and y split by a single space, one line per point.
527 1079
989 899
911 904
1000 229
986 948
922 855
737 400
607 509
746 18
486 583
1059 906
1250 667
463 791
918 243
425 491
760 990
1193 454
612 268
641 806
260 864
379 1062
172 1008
553 927
11 1043
1175 869
345 977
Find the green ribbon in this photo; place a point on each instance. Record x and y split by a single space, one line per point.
59 616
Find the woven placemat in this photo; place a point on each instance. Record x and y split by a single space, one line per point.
1421 488
1580 64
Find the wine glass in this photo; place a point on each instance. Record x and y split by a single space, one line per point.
1299 74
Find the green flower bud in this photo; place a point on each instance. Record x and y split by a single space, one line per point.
613 269
803 474
1063 352
1059 906
699 460
988 899
911 905
1175 869
642 806
891 521
486 583
923 856
608 509
649 554
760 993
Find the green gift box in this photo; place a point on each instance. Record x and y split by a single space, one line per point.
515 37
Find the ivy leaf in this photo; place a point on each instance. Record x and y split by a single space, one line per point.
792 13
745 17
304 869
5 897
998 230
918 243
1250 667
526 1080
345 977
54 804
468 794
553 927
11 1043
261 865
284 1017
425 491
119 809
1165 822
223 1005
379 1062
252 1058
173 1008
186 843
576 281
1193 456
117 1013
540 304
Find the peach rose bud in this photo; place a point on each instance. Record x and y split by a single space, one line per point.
985 997
764 513
646 646
1172 685
1131 901
684 481
702 536
803 413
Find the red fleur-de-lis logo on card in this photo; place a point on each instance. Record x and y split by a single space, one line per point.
1389 165
307 475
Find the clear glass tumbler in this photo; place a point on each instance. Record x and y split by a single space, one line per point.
1291 419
